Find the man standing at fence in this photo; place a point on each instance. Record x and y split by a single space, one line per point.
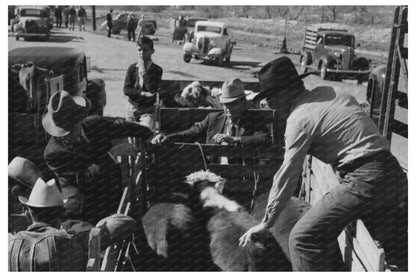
332 127
82 16
131 27
109 22
58 17
72 18
141 84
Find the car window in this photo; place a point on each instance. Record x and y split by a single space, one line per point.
209 29
338 39
31 12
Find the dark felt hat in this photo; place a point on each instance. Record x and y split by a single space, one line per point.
64 112
278 74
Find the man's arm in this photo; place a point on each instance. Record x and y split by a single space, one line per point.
284 182
122 129
130 88
197 130
66 165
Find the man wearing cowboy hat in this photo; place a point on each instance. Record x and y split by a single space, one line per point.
235 125
332 127
78 152
50 245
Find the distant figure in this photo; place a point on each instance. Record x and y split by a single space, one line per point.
58 17
72 18
82 16
66 16
131 27
109 22
140 26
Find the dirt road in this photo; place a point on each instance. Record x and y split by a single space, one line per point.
110 58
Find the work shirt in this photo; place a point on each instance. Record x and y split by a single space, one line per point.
329 125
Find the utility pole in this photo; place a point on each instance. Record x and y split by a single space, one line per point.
94 24
283 49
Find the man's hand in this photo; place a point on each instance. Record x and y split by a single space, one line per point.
147 94
160 139
221 138
250 232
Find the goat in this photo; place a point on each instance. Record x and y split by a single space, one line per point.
226 222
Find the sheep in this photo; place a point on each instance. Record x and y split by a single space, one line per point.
285 222
195 95
226 221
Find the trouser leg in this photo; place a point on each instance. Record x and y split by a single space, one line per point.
313 241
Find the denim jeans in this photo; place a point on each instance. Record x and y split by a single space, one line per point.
371 192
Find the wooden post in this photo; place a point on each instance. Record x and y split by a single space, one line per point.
94 23
94 246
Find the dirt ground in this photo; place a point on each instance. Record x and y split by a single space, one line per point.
110 58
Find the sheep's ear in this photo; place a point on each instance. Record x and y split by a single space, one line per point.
219 186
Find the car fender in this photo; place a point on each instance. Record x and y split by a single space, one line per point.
189 47
18 28
216 51
377 78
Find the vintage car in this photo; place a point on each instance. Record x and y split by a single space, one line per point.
33 22
330 48
184 29
211 42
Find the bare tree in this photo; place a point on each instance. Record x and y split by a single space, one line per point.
299 13
333 9
245 11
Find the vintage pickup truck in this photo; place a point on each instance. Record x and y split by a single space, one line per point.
330 48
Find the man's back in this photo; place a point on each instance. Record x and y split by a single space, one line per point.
44 248
335 120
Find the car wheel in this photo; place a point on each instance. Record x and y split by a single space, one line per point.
324 73
220 61
187 58
303 67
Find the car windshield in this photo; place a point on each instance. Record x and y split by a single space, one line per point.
32 12
338 39
202 28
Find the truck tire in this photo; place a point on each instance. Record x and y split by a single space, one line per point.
324 72
303 64
220 61
187 58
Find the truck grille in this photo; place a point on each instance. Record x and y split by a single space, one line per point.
205 46
30 26
347 59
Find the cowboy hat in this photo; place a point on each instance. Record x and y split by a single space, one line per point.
277 74
43 195
64 112
232 90
24 171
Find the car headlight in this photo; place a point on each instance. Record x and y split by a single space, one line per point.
337 54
